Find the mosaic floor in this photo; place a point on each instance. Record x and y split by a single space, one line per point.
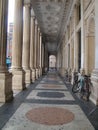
48 105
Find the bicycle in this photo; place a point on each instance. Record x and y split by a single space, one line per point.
83 86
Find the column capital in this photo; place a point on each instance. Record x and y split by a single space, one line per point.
27 5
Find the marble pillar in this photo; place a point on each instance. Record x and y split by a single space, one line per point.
35 47
86 54
26 44
42 64
6 93
94 76
40 54
18 81
82 41
75 41
32 50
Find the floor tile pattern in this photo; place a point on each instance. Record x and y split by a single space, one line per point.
45 105
50 115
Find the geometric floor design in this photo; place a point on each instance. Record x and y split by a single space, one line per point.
48 105
50 115
51 94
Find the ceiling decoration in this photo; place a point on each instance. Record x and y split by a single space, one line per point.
52 16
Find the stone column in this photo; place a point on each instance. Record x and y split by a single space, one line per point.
26 44
32 49
35 47
94 76
71 55
40 55
86 52
66 55
42 58
18 73
75 41
6 93
45 59
82 40
63 59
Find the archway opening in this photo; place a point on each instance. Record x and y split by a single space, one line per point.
52 62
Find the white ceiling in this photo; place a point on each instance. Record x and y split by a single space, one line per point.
51 16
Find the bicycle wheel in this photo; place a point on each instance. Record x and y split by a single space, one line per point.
76 87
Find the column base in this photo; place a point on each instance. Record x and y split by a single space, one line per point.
72 78
94 89
36 73
33 75
18 80
6 93
40 71
27 76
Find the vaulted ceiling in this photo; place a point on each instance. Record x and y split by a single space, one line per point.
52 16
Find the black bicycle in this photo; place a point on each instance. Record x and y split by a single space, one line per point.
83 86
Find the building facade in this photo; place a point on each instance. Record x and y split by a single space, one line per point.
79 45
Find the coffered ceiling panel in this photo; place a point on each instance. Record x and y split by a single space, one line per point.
52 17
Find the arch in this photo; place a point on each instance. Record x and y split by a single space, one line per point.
52 62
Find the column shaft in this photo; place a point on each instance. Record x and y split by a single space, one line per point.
82 39
42 58
26 45
94 76
75 42
18 73
35 46
17 35
32 49
36 50
40 55
6 93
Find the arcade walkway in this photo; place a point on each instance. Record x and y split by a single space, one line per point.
46 105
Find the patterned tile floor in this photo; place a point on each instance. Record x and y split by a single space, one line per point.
45 105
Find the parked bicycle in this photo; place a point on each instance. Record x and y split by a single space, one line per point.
83 86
